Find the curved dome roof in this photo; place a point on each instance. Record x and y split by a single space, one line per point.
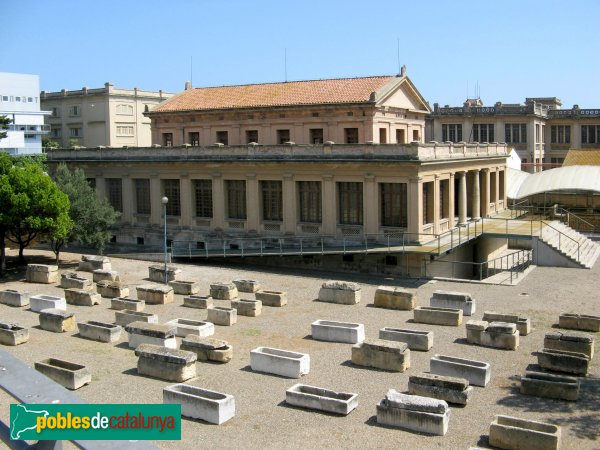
572 178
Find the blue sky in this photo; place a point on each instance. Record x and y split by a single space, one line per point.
512 49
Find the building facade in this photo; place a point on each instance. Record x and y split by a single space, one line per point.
540 130
386 110
20 101
106 116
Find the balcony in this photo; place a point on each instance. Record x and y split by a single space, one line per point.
30 129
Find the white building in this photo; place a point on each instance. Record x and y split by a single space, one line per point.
20 101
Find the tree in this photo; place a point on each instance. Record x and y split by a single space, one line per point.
32 205
50 144
5 165
4 123
92 216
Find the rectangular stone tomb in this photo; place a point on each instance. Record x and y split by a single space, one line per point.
89 263
222 316
279 362
42 273
570 342
578 322
105 275
185 327
332 331
68 374
520 434
40 302
185 287
415 339
223 291
381 354
562 361
246 307
272 298
157 273
11 297
165 363
312 397
155 294
495 334
126 316
477 373
99 331
395 298
454 300
151 333
57 320
438 316
414 413
341 292
198 301
523 323
247 286
71 280
131 304
548 385
112 289
13 334
198 403
81 297
208 349
450 389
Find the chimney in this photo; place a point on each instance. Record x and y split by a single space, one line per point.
188 85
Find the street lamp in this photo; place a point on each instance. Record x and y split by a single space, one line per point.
164 201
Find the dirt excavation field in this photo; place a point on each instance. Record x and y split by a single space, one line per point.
263 420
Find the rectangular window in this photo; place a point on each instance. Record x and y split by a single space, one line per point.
283 136
393 204
483 132
309 201
537 132
194 139
55 111
560 134
452 132
75 132
203 198
55 133
222 137
251 136
74 110
171 191
272 200
91 182
428 203
383 136
236 199
142 195
167 139
400 137
444 199
350 203
590 134
515 133
124 130
316 135
351 135
114 188
415 136
126 110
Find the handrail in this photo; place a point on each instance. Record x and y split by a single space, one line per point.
560 233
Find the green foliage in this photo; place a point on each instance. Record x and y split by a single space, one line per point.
74 142
4 123
29 160
49 144
91 215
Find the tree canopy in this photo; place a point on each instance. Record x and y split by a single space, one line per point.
4 122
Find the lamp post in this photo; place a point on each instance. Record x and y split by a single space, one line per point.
164 201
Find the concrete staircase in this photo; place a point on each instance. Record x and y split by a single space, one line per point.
565 241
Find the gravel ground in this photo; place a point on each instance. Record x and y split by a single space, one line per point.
262 418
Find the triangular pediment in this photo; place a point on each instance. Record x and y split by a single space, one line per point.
401 93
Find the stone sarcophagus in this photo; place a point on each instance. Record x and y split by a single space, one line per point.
125 317
89 263
156 273
198 403
71 280
279 362
57 320
395 298
68 374
42 273
223 291
570 342
320 399
438 316
39 302
151 333
11 297
415 339
208 349
222 316
272 298
477 373
450 389
198 301
247 286
112 289
520 434
340 292
386 355
165 363
454 300
155 294
578 322
186 327
563 361
99 331
184 287
13 334
247 307
81 297
493 334
131 304
332 331
105 275
523 323
548 385
414 413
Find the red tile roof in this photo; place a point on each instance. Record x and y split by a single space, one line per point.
315 92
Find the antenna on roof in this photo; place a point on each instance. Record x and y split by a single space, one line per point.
191 71
285 63
398 51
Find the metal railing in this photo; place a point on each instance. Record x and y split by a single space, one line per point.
555 212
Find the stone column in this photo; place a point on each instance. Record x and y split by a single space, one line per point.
497 199
462 198
451 201
218 198
329 205
370 205
252 203
476 197
503 197
415 206
185 199
485 212
289 204
128 203
156 195
331 133
436 204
